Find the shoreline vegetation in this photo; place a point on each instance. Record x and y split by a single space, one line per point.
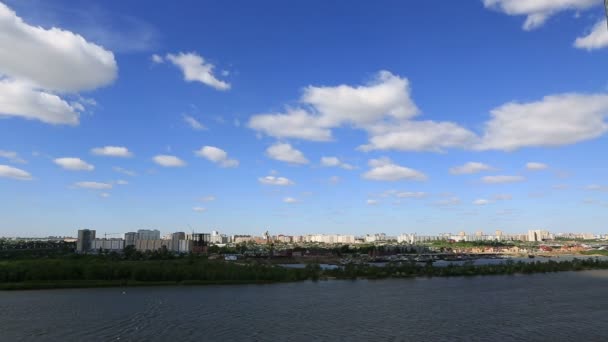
111 271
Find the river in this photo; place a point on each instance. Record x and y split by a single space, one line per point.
539 307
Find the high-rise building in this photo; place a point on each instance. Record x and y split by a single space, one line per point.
84 242
178 236
146 234
130 238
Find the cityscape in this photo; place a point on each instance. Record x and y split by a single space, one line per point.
271 170
146 240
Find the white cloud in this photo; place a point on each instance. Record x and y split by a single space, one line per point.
555 120
104 195
74 164
502 179
124 171
334 180
335 162
384 169
538 11
383 108
112 151
410 194
418 136
28 87
449 201
597 38
597 187
285 152
121 182
372 202
208 199
273 180
14 173
195 69
216 155
199 209
157 59
470 168
290 200
12 156
295 123
502 197
168 161
193 123
93 185
481 201
387 95
20 99
534 166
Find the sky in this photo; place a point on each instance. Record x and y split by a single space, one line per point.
345 117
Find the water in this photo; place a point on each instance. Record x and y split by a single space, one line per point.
540 307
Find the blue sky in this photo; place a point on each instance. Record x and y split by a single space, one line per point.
303 117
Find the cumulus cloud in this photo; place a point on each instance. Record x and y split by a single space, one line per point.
597 187
12 156
199 209
597 38
290 200
501 179
334 180
418 136
534 166
410 194
295 123
387 95
335 162
14 173
124 171
382 107
168 161
216 155
470 168
157 59
273 180
196 69
481 201
538 11
553 121
112 151
372 202
74 164
121 182
449 201
20 99
104 195
285 152
93 185
193 123
29 89
384 169
502 197
208 199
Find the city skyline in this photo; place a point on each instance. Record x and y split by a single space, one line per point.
429 118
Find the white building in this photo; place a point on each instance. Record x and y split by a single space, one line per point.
108 245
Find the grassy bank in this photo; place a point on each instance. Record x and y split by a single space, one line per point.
84 272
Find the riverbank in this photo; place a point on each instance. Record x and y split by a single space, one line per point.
87 272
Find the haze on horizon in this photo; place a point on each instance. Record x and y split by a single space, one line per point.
308 117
